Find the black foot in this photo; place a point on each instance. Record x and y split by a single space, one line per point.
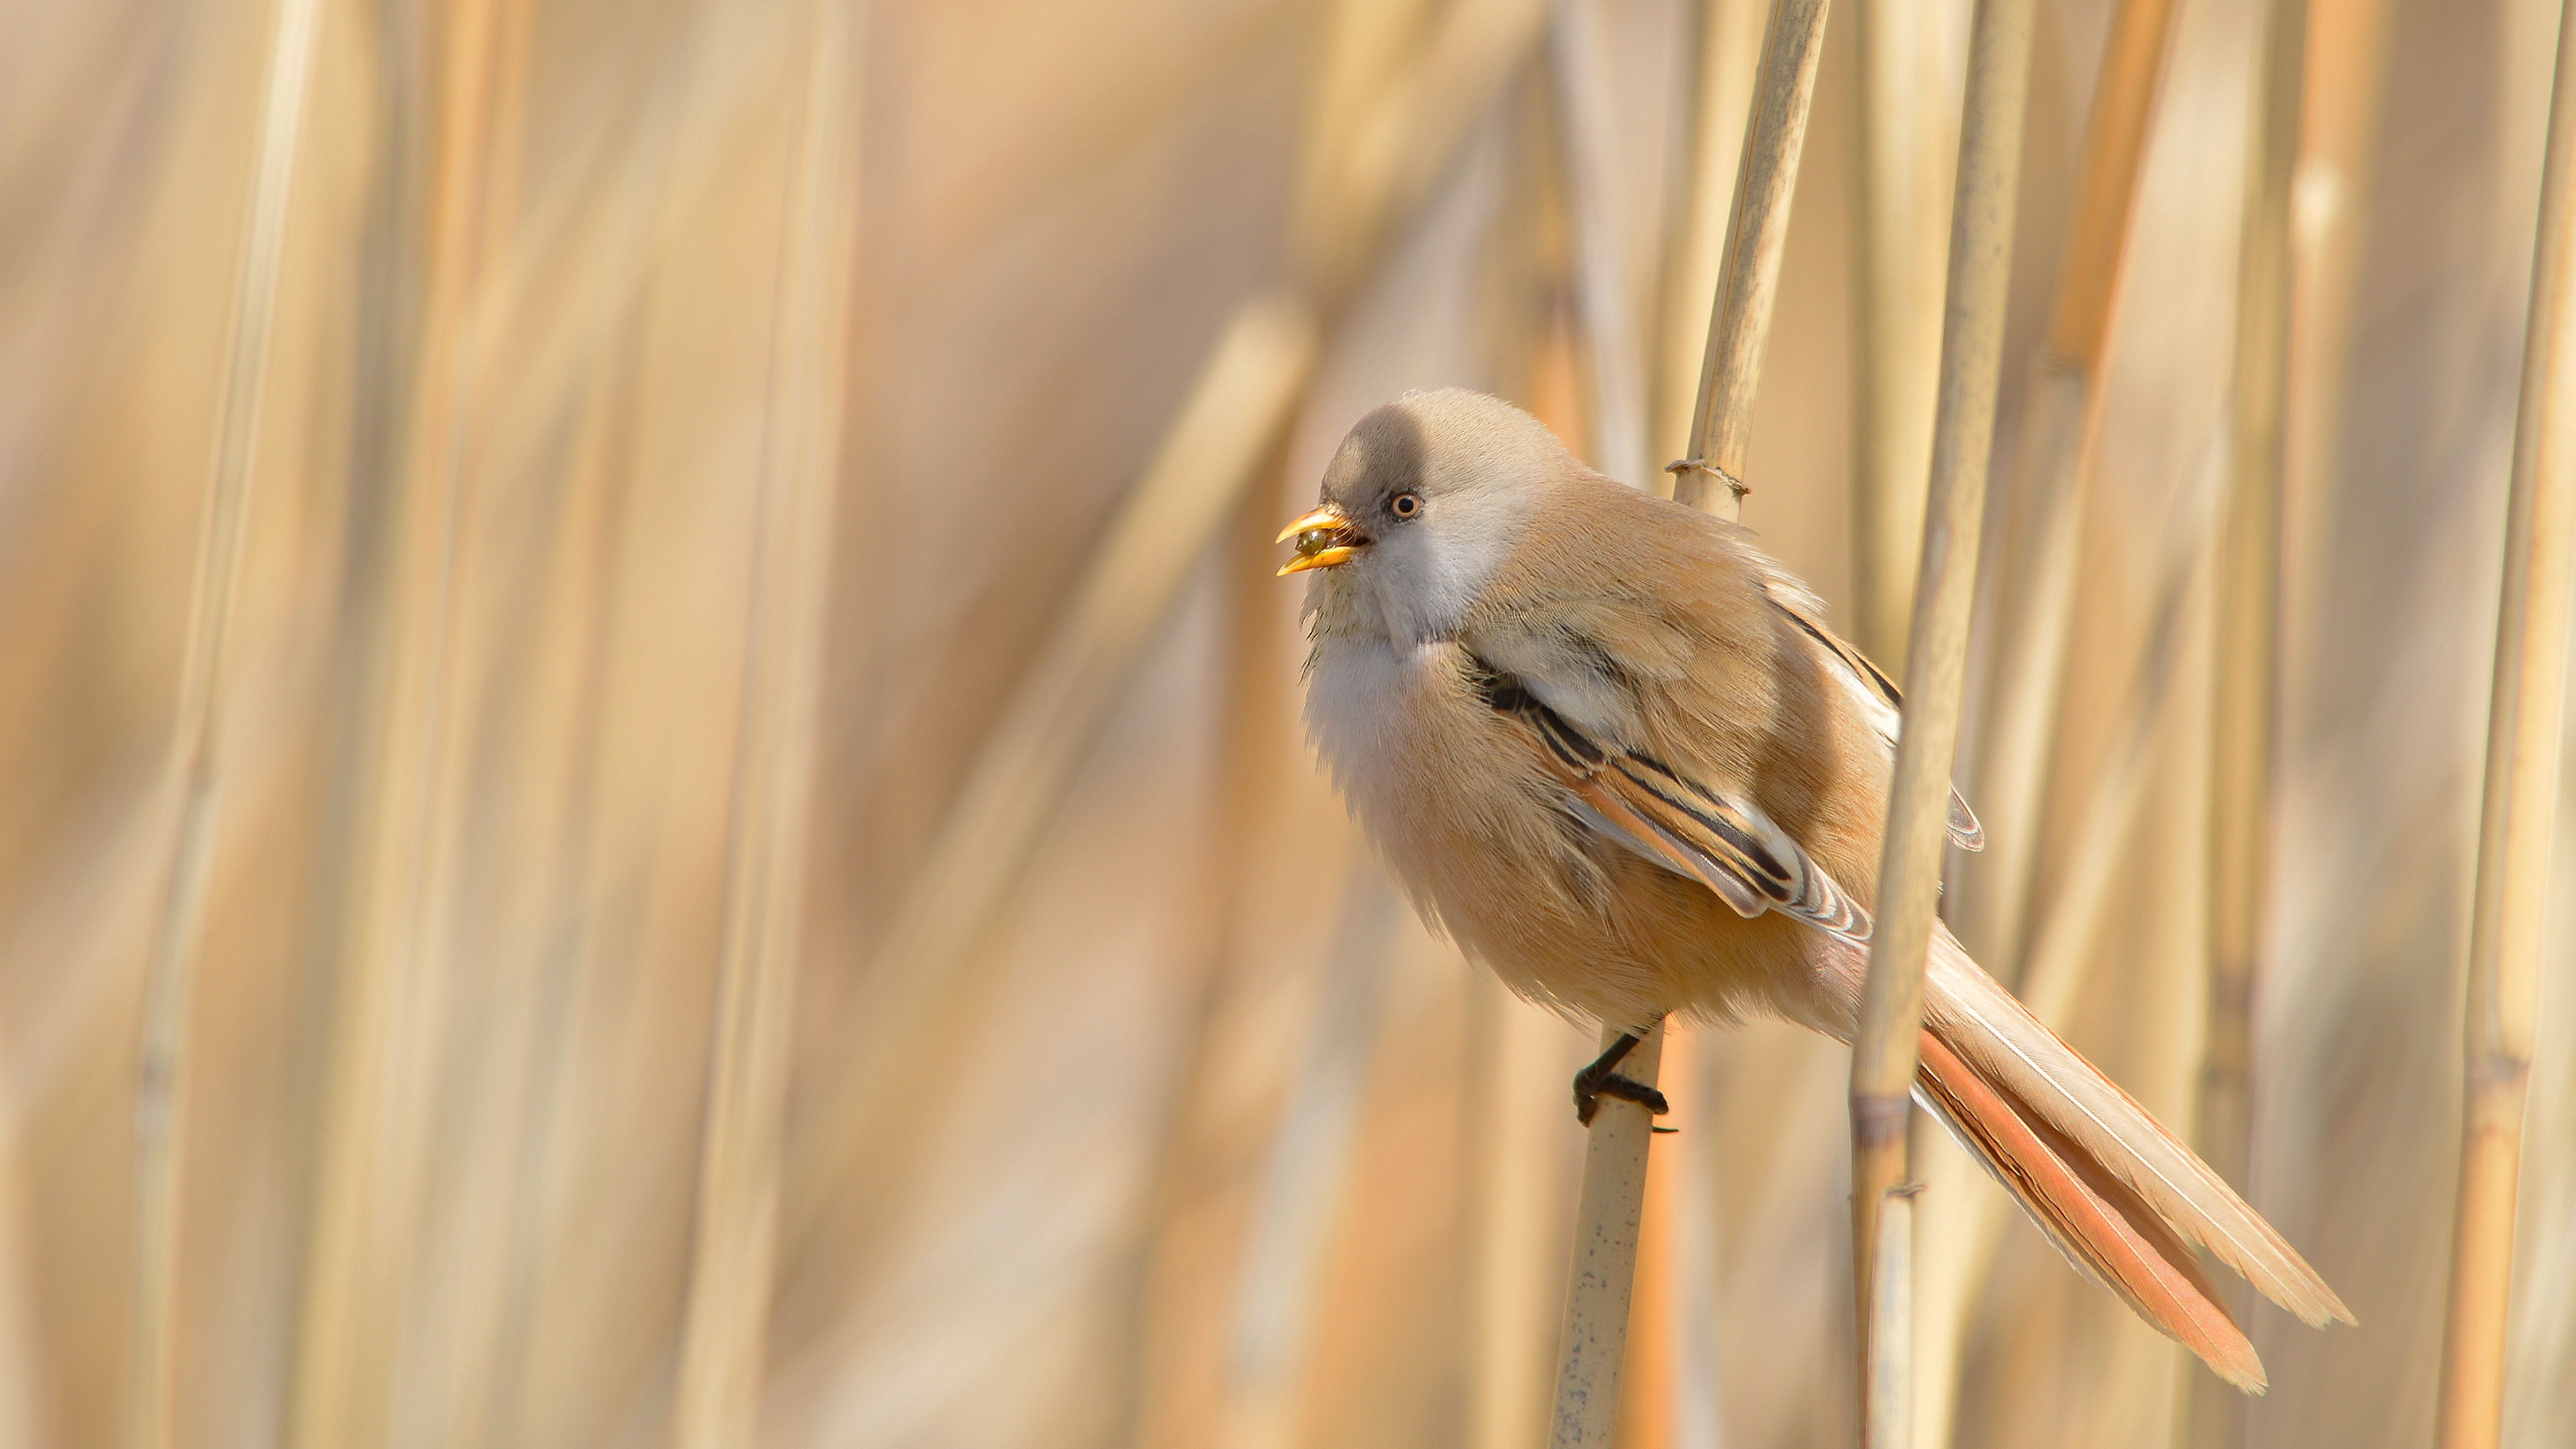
1602 1079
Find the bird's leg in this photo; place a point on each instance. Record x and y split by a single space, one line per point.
1602 1079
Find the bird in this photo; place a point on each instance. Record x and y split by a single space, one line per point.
1612 751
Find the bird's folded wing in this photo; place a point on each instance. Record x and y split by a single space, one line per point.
1728 845
1879 700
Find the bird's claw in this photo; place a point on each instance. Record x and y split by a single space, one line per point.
1588 1102
1602 1079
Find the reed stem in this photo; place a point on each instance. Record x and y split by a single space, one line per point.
2065 934
1907 99
1651 1402
1710 477
2508 925
2245 704
2030 592
387 991
1883 1053
2036 582
196 743
1721 53
724 1329
1887 1408
1594 1345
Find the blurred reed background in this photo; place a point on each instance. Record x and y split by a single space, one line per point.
653 789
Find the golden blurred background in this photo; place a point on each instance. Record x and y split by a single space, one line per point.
653 791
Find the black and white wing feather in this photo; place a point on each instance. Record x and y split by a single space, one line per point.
1643 804
1879 701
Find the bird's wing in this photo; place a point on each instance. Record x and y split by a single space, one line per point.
1643 804
1875 696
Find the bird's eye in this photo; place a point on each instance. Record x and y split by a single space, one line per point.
1406 505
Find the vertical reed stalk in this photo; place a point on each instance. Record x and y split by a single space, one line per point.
2508 925
1593 1346
1907 102
1883 1050
1710 477
2245 688
2031 591
2036 582
2344 96
1721 50
1960 1238
370 1149
1887 1397
1650 1400
196 742
725 1327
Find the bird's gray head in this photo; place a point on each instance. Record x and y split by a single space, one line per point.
1421 506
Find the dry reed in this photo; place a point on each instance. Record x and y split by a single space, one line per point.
725 1329
1883 1049
1908 105
1062 208
365 1186
2037 569
1710 477
1653 1402
196 744
1887 1398
1719 61
2032 585
2509 919
2245 723
1593 1346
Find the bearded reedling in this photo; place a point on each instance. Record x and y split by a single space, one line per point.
1613 752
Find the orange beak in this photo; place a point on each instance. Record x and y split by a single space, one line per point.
1325 539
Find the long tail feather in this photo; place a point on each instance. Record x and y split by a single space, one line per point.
2121 1195
2111 1235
